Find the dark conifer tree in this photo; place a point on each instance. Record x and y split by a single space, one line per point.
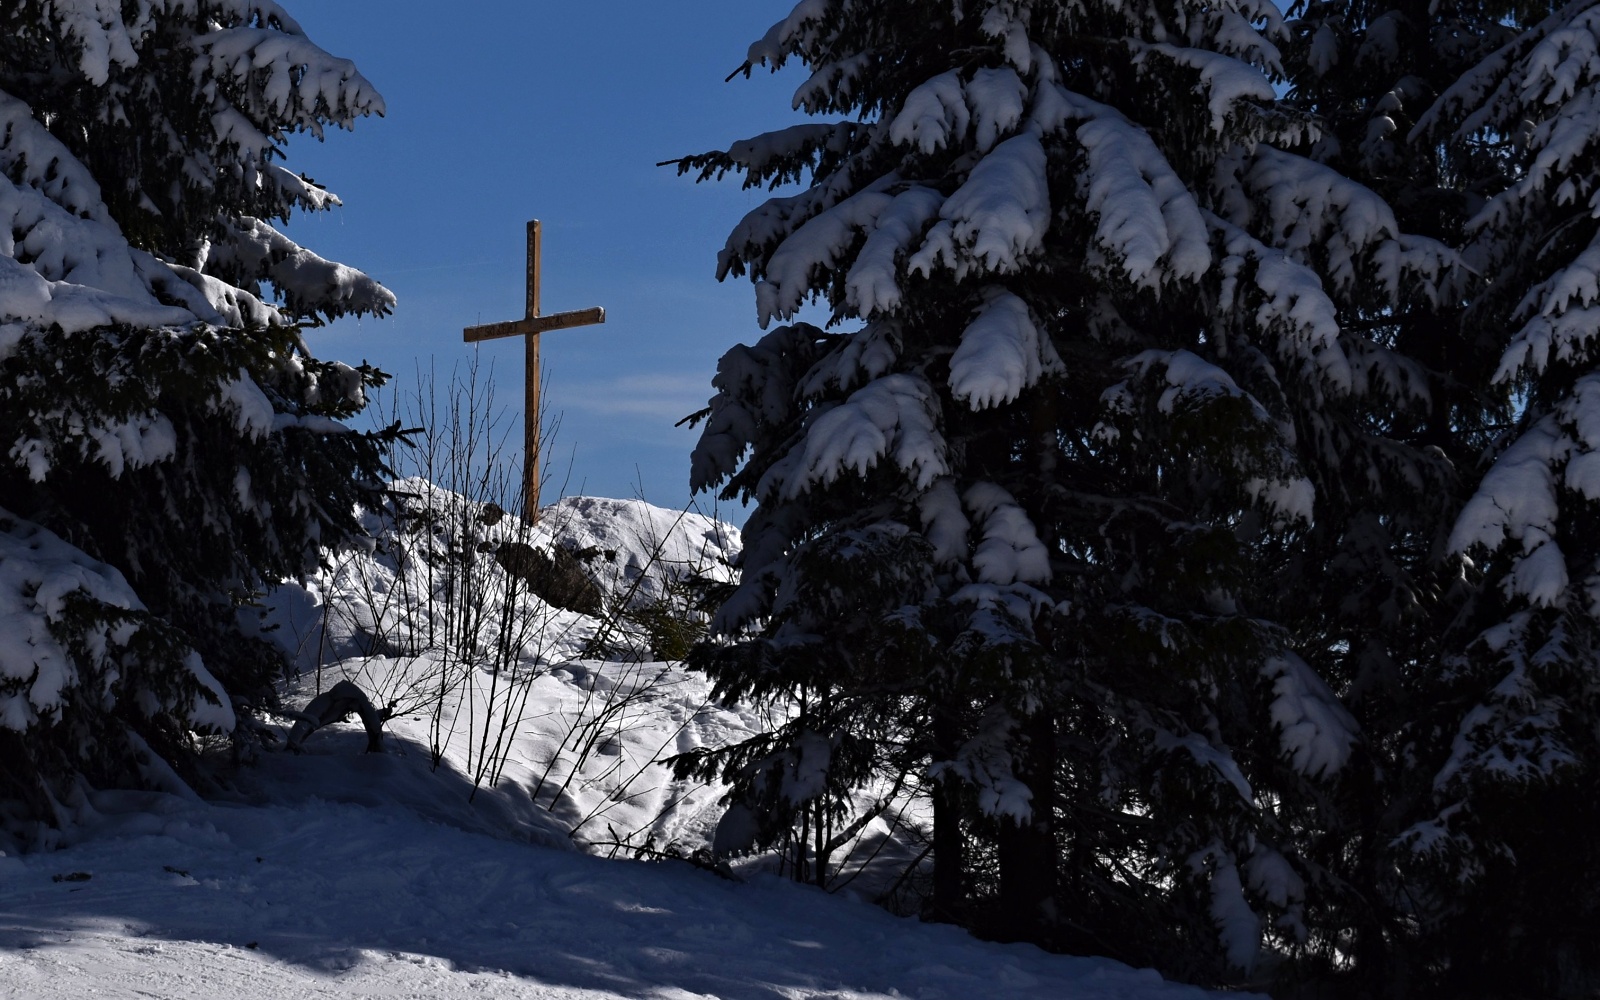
1504 850
171 446
1026 507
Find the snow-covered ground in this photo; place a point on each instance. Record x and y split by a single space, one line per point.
461 861
324 898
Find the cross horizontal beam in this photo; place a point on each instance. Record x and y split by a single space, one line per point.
534 324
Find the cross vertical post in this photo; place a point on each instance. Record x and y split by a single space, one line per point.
529 327
532 437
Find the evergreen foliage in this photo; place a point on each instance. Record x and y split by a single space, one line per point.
1189 485
171 446
1514 794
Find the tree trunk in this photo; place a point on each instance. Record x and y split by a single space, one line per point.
1027 851
949 851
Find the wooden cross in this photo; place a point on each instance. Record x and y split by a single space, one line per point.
530 326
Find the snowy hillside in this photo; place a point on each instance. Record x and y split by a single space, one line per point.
486 677
453 863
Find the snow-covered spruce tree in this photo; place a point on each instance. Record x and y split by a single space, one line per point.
1020 506
170 445
1508 836
1371 590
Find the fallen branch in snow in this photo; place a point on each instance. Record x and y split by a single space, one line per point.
335 705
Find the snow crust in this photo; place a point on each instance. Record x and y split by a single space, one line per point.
814 246
754 388
939 112
38 572
1009 550
1007 21
1293 500
801 24
1316 215
894 417
944 523
868 353
1315 731
41 576
1227 80
64 261
1514 734
645 549
307 281
1297 316
933 114
984 763
80 273
293 80
1562 317
1516 501
1271 874
1188 378
1237 924
1002 352
872 286
362 602
997 218
1146 216
1204 753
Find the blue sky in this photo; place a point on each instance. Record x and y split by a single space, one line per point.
512 110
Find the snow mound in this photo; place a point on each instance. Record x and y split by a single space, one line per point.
555 723
648 548
434 568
